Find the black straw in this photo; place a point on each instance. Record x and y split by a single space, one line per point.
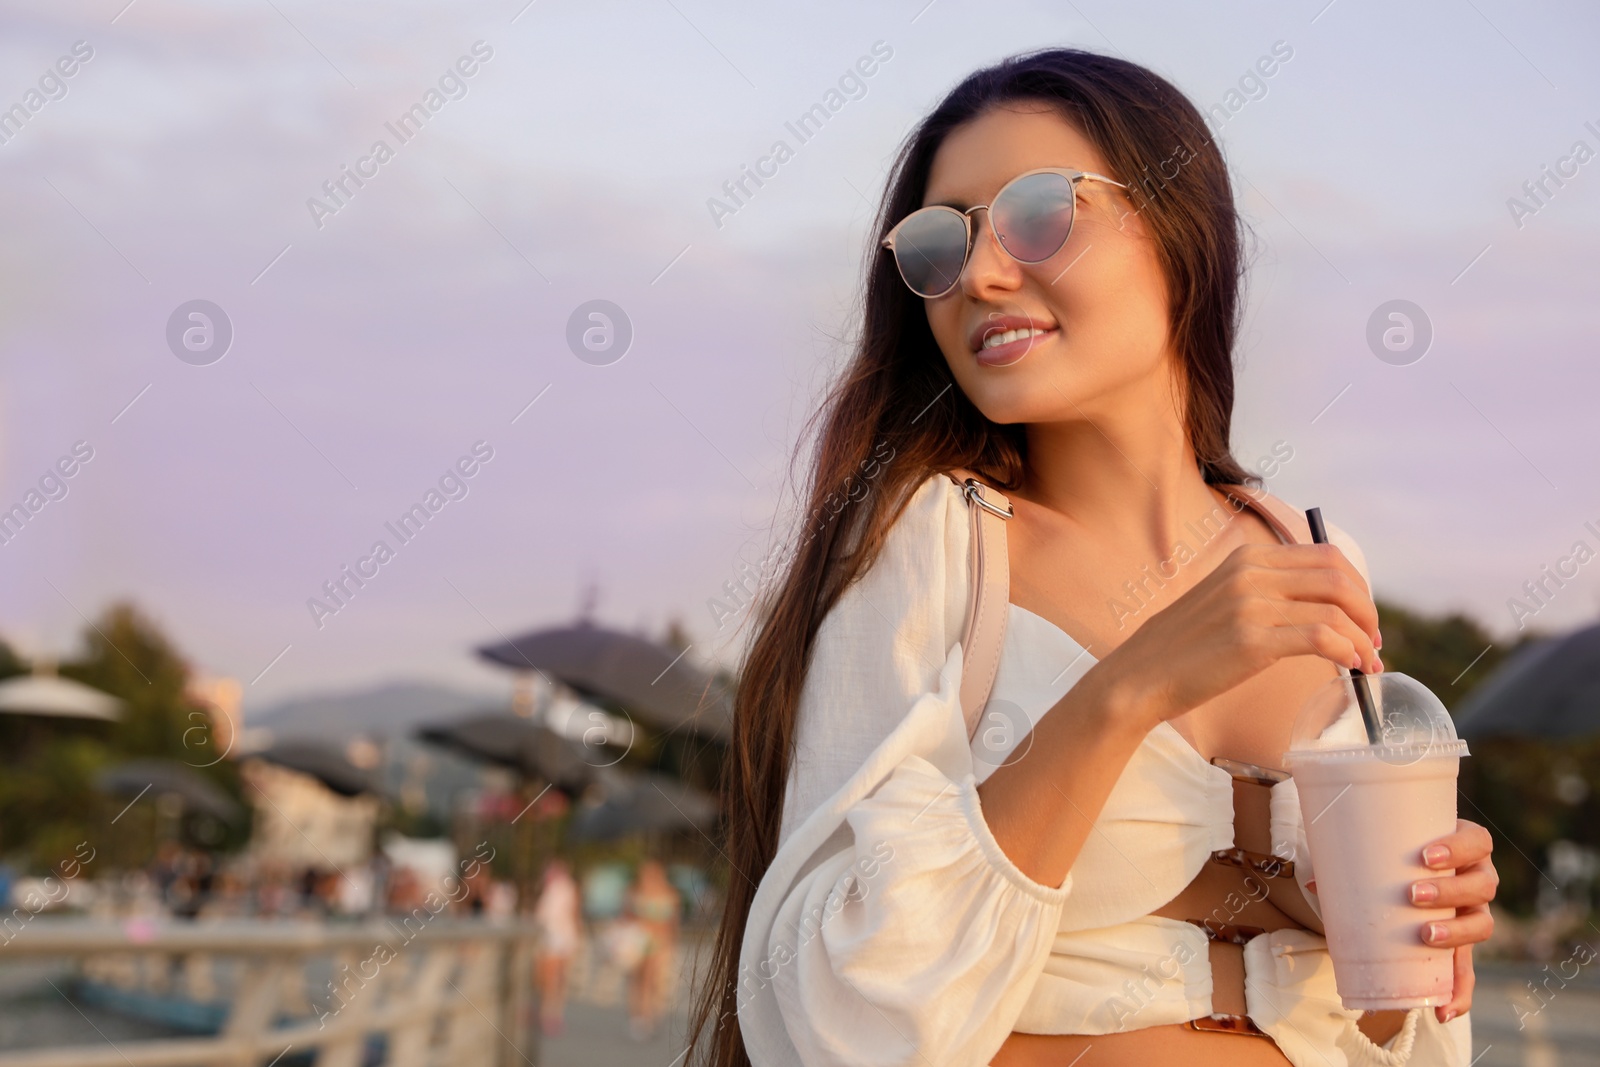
1369 711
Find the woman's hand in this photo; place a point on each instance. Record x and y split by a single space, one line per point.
1261 604
1469 891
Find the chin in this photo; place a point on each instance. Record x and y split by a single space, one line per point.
1046 394
1019 398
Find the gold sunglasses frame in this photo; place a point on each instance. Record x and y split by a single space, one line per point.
1072 176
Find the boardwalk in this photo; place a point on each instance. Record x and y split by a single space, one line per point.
1565 1033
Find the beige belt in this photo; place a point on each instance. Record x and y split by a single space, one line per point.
1244 892
1239 894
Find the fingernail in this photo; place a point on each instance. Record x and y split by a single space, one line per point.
1436 855
1437 932
1355 662
1379 642
1424 892
1449 1013
1377 665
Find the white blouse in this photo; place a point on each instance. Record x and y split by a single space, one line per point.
890 927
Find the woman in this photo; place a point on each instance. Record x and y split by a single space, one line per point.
560 923
901 896
654 905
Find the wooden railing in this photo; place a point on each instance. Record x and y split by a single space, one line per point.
438 993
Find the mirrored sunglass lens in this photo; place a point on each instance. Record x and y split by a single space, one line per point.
930 248
1033 216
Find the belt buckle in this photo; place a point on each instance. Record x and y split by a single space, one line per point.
1228 1024
1264 864
1232 933
1223 1022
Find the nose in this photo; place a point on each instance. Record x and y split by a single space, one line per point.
990 269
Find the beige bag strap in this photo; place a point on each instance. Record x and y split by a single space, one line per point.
983 637
1288 523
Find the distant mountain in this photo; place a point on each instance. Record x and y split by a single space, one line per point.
387 713
388 710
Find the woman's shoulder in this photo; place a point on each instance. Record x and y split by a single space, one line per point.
914 587
931 510
923 554
1337 536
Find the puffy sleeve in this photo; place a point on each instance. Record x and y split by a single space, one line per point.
890 927
883 645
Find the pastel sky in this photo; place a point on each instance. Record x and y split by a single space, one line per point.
374 347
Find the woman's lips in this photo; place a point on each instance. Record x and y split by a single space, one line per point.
1010 352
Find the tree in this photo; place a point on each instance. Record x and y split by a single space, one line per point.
11 664
676 636
48 802
127 655
1449 654
1517 787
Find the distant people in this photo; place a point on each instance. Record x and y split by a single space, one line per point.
309 900
355 890
478 884
227 898
605 891
560 929
185 878
275 896
191 890
502 897
165 869
655 907
404 891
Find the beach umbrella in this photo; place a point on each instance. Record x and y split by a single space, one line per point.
624 803
52 696
649 680
530 748
1547 689
133 778
537 754
324 761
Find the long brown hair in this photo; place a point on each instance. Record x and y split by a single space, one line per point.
897 416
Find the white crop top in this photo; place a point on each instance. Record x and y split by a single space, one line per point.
891 928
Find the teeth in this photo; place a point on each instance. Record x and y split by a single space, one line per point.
996 339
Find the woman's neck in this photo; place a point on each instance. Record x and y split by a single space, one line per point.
1125 471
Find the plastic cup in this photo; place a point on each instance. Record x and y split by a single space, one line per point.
1369 809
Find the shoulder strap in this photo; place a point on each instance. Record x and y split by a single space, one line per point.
984 635
1288 523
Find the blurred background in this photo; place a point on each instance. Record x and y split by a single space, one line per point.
397 410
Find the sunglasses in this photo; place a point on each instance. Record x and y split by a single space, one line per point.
1031 217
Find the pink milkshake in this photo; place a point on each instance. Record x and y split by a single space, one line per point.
1369 809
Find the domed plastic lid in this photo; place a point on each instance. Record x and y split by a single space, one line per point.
1411 723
